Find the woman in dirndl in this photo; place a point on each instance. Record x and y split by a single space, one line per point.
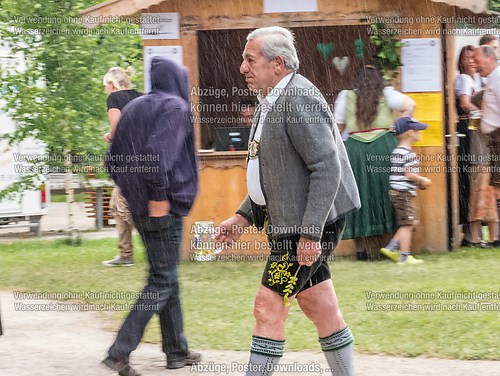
365 116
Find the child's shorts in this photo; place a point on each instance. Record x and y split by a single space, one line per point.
404 206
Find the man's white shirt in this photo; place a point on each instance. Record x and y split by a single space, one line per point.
253 170
490 119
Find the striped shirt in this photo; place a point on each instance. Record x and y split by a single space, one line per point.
403 160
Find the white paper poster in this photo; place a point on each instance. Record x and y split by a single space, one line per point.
173 53
160 26
421 70
280 6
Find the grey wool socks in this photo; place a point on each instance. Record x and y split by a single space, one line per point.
338 349
265 353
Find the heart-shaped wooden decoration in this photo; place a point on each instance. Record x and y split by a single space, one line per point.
325 49
341 63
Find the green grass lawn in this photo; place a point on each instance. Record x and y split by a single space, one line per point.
79 197
218 297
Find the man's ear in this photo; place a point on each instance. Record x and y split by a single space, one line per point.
279 64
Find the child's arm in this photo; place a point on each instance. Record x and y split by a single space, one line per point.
421 181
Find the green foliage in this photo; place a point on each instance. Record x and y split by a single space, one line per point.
386 58
59 96
72 241
78 197
26 182
494 5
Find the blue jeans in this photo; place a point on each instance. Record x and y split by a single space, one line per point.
162 238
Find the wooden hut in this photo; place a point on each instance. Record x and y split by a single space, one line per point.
333 40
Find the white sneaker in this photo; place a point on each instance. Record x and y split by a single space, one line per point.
119 261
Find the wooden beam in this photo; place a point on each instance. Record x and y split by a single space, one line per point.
100 13
287 20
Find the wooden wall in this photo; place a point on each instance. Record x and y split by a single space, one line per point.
223 189
225 48
432 233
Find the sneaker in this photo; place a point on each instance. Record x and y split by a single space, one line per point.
361 256
119 261
191 359
123 368
392 255
466 243
496 244
411 260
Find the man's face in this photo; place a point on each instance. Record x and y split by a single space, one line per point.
484 65
494 45
260 74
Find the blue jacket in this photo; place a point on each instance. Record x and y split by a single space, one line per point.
152 156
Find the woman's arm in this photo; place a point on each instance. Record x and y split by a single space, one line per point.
399 102
466 103
339 110
408 107
113 117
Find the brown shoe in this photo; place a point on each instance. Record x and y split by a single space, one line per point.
191 359
123 368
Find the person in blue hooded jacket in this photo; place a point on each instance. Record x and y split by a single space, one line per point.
152 159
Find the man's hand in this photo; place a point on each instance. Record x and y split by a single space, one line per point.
231 229
158 208
308 251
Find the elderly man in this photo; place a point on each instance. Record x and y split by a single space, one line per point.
300 187
486 63
490 40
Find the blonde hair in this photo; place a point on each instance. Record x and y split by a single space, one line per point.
119 77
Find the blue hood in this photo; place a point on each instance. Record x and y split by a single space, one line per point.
153 153
169 77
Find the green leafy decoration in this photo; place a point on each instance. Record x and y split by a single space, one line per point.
289 288
386 58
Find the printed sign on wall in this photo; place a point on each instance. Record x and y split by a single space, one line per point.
421 70
173 53
279 6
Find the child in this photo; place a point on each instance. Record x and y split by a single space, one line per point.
403 181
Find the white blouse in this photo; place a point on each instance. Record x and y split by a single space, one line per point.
393 98
466 84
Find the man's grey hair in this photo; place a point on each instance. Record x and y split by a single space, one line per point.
277 41
488 51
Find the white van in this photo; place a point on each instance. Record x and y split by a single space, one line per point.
25 208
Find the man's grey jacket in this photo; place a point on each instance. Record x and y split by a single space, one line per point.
305 173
